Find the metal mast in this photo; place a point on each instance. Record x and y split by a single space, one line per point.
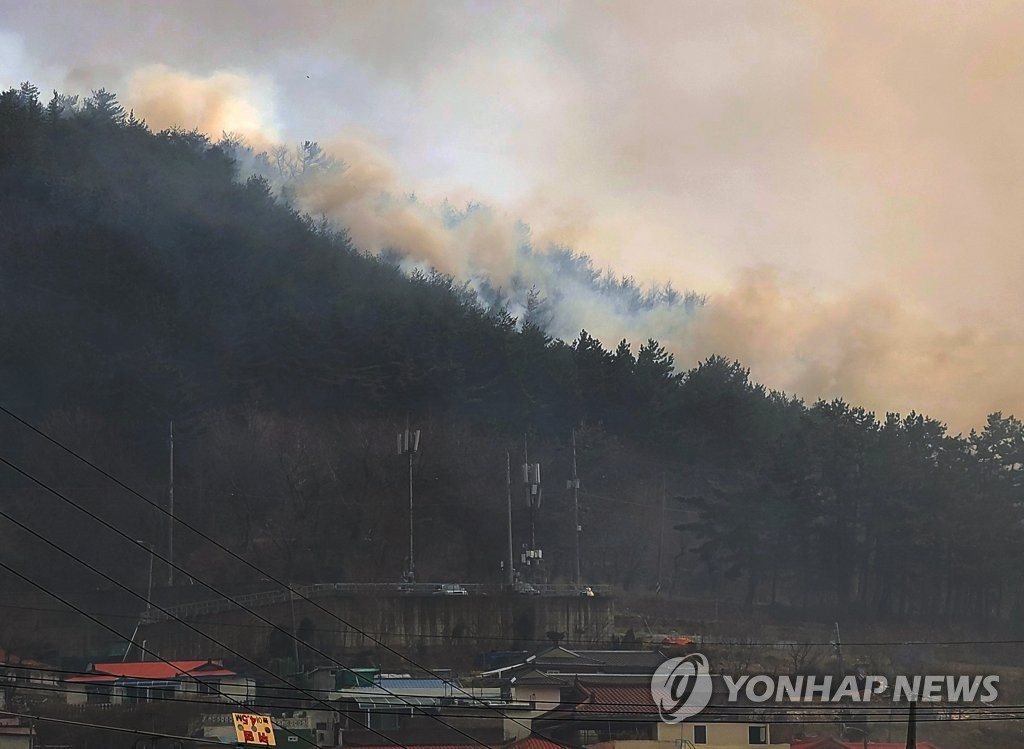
577 529
170 511
510 572
409 444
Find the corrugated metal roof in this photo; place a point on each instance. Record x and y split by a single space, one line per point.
402 683
371 701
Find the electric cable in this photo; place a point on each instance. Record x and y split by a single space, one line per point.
206 537
126 536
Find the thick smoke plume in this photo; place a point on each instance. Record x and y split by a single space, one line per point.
863 342
224 102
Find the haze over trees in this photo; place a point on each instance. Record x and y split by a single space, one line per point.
144 278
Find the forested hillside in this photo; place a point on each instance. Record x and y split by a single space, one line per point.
144 279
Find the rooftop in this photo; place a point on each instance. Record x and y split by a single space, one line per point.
150 670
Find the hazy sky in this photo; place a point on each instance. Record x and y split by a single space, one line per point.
842 179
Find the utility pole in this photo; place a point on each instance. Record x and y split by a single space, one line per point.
170 511
838 644
149 584
295 629
912 725
661 536
574 484
531 479
510 572
409 444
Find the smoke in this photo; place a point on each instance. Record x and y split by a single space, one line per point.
868 346
223 102
863 343
367 197
861 157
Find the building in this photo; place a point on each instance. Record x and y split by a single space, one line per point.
32 680
624 716
146 681
303 729
14 735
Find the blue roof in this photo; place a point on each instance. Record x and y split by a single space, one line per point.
414 683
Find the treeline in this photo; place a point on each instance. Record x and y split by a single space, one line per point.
144 279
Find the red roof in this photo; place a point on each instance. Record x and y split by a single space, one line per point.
827 742
635 700
536 742
153 671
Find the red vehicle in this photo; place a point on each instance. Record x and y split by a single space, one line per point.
676 642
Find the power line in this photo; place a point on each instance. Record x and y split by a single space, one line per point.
163 610
235 556
217 544
698 641
861 707
82 724
28 580
857 710
124 535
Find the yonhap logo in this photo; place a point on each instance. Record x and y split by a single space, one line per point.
681 687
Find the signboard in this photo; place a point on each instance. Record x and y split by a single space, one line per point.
253 729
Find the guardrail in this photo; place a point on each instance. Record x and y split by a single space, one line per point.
271 597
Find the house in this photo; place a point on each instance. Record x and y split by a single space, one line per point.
541 690
32 680
14 735
543 681
605 716
146 681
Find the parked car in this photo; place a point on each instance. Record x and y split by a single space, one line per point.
526 589
676 642
450 589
